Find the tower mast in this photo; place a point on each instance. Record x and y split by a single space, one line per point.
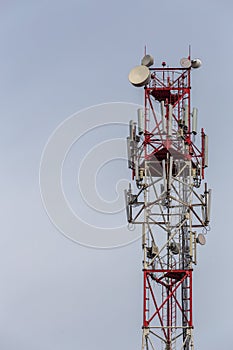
166 199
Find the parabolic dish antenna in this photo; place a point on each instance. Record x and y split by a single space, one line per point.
196 63
147 60
139 76
185 63
201 239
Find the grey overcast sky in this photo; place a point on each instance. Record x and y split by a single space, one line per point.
58 57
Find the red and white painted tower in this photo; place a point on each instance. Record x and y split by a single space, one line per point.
168 199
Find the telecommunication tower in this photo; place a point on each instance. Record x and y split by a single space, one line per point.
168 199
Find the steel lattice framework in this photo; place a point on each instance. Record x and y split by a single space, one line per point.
165 199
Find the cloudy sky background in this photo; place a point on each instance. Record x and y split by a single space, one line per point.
58 57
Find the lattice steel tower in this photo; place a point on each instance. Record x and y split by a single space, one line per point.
165 199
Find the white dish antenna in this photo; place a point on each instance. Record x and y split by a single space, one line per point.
201 239
196 63
147 61
139 76
185 63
